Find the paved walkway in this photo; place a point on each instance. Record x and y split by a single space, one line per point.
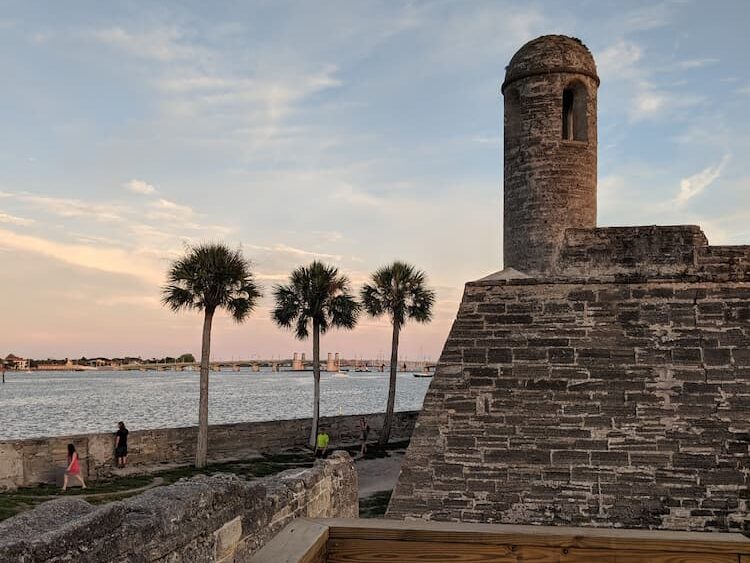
379 474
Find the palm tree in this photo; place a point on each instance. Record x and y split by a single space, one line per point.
399 291
209 277
318 296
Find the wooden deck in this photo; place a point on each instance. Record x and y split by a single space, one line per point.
379 541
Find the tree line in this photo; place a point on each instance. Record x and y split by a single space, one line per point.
316 299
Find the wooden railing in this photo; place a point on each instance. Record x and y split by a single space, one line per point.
381 541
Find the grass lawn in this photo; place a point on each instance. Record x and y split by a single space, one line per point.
118 488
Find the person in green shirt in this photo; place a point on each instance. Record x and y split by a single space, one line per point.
321 444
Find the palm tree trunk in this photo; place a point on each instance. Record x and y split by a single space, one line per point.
201 450
316 375
385 433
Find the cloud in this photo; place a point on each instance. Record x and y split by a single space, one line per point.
255 103
645 98
281 248
351 196
329 236
170 215
164 209
618 59
695 184
152 301
651 102
745 90
695 63
160 44
13 220
657 15
648 102
140 187
111 260
476 33
68 207
305 253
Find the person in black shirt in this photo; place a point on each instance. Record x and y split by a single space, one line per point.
121 444
364 431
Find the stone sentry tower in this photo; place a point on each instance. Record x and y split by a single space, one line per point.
603 377
550 149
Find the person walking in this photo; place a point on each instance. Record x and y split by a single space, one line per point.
121 445
364 431
73 469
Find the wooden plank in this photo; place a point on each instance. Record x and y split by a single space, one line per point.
367 551
542 536
302 541
378 551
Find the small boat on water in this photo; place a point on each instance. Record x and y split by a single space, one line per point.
422 374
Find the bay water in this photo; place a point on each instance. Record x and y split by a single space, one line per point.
58 403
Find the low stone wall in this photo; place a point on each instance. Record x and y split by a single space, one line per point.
650 250
42 460
640 253
221 518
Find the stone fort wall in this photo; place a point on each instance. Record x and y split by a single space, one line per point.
603 377
218 519
42 460
611 401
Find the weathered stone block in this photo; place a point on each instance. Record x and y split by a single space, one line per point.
227 538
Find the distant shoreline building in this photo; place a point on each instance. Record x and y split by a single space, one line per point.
16 362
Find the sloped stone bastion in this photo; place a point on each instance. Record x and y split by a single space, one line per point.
603 377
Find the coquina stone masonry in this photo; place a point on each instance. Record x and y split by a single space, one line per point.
588 403
219 519
604 378
42 460
550 173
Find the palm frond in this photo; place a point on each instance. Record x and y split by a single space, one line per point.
421 303
212 276
398 290
372 300
287 307
302 330
176 298
316 294
343 311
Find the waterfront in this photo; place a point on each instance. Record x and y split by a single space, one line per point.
59 403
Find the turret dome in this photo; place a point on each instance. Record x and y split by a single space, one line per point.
551 54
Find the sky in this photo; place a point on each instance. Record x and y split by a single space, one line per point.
352 132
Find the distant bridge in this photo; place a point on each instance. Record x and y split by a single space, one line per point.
275 365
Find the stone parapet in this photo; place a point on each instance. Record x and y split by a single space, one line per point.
42 460
650 250
678 252
219 519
